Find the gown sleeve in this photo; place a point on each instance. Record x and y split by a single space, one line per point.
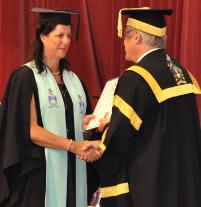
21 160
132 99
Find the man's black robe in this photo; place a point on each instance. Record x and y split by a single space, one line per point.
152 147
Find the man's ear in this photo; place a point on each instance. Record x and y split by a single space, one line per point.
138 37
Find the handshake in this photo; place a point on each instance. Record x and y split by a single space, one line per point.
89 150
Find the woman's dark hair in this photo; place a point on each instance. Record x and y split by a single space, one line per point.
45 27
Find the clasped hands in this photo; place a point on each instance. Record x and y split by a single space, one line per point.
90 150
87 150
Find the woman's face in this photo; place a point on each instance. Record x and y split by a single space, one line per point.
57 42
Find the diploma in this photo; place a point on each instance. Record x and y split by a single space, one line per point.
104 103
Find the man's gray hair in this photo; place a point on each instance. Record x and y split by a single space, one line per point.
148 39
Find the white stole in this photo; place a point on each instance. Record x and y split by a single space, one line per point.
54 120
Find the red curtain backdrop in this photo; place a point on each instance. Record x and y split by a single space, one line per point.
99 53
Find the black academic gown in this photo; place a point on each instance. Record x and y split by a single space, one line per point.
22 163
152 154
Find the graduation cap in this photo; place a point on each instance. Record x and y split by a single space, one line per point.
57 16
145 19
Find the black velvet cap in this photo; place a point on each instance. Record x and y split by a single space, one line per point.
146 19
57 16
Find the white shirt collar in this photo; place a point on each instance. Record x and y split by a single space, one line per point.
146 53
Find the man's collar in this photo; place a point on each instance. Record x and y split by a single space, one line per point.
146 53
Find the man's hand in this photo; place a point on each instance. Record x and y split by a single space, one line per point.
87 150
93 151
103 122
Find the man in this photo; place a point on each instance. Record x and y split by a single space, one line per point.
152 145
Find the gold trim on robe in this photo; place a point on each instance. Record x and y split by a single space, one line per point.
101 145
127 111
164 94
115 190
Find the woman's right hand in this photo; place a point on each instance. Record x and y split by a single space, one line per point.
87 150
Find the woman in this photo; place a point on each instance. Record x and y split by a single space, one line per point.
48 104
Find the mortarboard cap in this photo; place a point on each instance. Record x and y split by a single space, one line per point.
58 16
145 19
